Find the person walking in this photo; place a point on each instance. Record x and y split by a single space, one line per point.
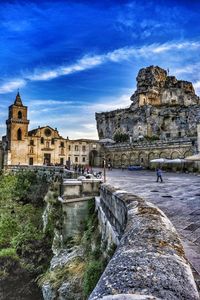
159 175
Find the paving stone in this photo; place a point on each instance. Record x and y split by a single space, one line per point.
192 227
182 208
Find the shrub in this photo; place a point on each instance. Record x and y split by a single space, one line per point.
121 137
151 138
91 276
8 229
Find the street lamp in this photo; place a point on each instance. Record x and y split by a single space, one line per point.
104 142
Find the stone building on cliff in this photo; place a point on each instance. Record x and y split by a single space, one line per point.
161 121
43 145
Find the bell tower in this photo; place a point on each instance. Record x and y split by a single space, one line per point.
17 132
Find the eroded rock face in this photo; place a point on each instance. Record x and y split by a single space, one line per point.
162 106
71 287
151 78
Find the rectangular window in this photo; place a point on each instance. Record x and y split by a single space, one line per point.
76 159
83 159
61 144
52 141
31 142
31 161
76 147
179 134
83 148
69 147
168 135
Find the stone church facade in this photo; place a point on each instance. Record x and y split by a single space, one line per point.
43 145
162 121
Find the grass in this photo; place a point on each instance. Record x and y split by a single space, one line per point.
56 277
9 253
92 274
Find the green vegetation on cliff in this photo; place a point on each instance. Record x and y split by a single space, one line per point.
80 262
22 240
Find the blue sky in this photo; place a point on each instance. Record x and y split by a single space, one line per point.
71 59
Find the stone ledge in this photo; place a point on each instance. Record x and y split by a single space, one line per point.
130 297
149 261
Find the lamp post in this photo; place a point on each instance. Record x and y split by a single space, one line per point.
103 142
104 169
130 139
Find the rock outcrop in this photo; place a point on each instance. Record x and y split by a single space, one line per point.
162 107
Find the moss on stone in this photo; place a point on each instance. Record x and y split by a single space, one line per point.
56 277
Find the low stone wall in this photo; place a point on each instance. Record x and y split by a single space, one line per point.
149 262
80 188
114 208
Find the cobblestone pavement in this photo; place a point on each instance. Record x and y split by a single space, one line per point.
178 196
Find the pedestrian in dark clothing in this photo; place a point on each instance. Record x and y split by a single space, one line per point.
159 175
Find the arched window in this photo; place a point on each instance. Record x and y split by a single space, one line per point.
19 115
19 134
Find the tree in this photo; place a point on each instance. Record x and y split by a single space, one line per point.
120 137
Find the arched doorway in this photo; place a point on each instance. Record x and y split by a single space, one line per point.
142 159
124 160
116 161
152 156
133 158
93 155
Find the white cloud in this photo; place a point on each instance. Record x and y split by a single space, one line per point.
91 61
12 85
89 126
110 103
187 69
47 75
50 102
84 63
78 120
197 86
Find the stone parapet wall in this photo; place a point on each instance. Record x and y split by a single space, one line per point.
149 262
114 208
72 189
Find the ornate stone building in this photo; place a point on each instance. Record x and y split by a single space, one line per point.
161 121
44 145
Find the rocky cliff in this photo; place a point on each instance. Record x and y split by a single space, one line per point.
162 107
